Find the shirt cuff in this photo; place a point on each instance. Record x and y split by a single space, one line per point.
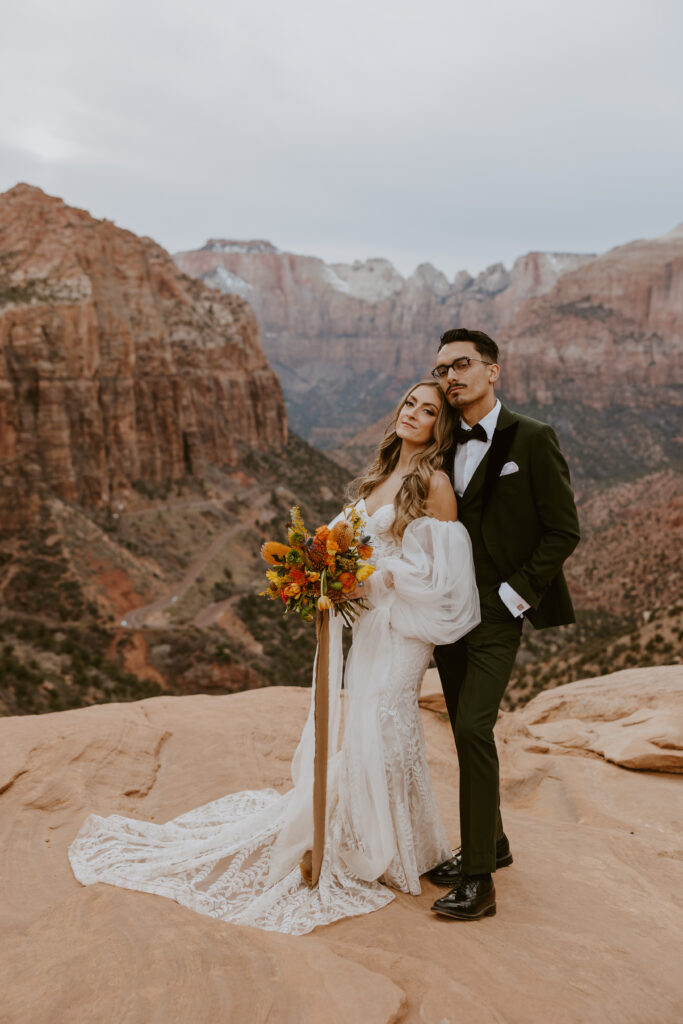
515 604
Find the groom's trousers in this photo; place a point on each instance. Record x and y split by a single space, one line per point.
474 674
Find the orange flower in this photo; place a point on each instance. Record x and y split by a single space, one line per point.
293 590
347 580
330 561
332 545
273 552
317 554
297 576
364 550
322 533
342 534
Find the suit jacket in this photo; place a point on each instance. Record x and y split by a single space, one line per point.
529 524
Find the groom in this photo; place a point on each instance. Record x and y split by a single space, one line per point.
516 501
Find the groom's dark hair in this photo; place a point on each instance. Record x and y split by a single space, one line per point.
484 345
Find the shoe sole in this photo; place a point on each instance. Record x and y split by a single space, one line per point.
504 862
458 916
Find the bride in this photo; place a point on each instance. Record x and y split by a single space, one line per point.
237 858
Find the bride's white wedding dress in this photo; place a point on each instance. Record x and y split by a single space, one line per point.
237 858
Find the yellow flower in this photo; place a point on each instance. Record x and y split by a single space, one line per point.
324 603
293 590
272 576
363 572
273 553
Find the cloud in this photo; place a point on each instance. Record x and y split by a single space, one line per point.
457 134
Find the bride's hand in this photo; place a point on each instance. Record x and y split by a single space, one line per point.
359 591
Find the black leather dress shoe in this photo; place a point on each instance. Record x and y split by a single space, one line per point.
450 871
472 898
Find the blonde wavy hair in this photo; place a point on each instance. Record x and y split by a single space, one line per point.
411 500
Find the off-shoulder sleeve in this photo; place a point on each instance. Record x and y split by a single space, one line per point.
434 594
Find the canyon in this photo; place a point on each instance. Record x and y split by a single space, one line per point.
592 343
140 423
145 452
345 339
114 367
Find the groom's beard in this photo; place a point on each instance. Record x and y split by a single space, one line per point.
456 397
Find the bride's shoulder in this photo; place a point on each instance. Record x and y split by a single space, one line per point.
440 485
441 502
438 480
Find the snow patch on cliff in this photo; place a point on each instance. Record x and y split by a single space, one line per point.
333 279
371 280
563 262
225 281
228 245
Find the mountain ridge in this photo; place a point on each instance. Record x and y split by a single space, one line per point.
594 331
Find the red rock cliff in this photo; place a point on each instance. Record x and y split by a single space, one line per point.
356 333
598 339
114 366
610 333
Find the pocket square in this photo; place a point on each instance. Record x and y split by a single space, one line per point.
509 467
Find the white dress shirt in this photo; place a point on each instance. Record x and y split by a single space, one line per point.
468 456
467 459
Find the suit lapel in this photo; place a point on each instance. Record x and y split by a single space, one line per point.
488 470
503 436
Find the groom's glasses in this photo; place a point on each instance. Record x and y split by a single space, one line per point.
458 364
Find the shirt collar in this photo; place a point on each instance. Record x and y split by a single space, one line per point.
488 422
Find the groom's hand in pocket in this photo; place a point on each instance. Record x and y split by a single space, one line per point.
494 609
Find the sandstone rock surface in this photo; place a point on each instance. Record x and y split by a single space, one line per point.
588 930
622 718
114 367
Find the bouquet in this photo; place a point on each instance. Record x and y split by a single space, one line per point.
319 571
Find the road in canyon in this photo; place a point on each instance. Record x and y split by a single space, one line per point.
138 618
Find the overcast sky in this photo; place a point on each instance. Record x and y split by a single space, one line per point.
438 131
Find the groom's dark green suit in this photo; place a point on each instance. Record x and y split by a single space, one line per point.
523 525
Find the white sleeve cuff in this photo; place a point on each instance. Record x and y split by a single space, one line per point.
515 604
375 588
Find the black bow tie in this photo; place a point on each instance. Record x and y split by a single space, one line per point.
477 433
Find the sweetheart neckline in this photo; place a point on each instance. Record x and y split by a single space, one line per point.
372 515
